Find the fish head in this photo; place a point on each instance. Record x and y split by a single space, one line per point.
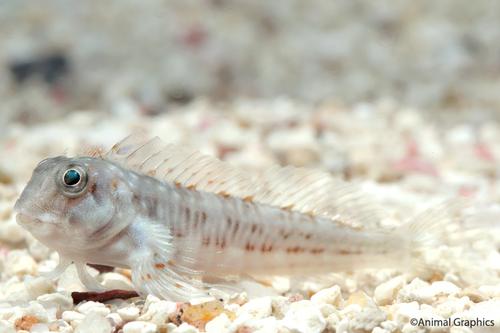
74 203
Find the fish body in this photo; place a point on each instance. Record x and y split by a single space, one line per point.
180 219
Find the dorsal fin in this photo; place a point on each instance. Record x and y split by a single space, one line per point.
180 166
317 193
298 189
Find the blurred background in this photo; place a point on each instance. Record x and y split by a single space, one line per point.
401 97
145 56
384 90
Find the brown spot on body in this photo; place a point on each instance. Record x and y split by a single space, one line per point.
224 194
93 188
114 184
222 244
177 233
288 208
249 247
308 236
196 219
285 234
317 251
191 187
148 276
266 248
236 227
136 200
187 211
152 207
347 252
254 228
248 198
203 217
296 249
159 265
206 241
151 173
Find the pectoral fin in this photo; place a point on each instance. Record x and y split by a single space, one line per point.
63 264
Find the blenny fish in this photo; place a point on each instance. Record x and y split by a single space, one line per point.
185 223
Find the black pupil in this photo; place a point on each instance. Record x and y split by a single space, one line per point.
71 177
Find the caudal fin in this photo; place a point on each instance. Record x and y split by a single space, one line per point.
429 230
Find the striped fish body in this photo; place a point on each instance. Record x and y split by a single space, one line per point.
181 220
226 235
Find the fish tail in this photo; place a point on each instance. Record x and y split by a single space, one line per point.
426 232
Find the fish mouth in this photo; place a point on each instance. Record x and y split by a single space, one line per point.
18 205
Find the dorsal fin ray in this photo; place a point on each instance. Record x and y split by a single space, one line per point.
317 193
297 189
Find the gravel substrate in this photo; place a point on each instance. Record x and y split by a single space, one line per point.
404 161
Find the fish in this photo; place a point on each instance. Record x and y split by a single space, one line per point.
186 223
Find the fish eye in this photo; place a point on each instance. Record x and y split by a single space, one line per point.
71 177
73 181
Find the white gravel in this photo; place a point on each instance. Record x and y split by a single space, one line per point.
419 162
